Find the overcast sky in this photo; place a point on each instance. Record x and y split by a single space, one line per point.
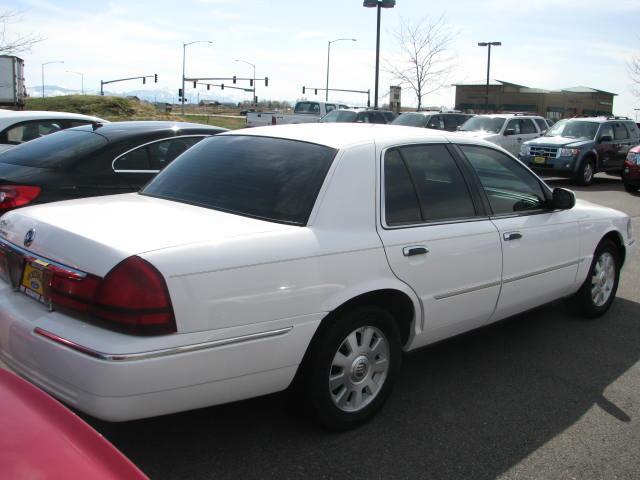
546 43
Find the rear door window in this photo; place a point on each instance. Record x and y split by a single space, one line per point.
620 131
527 126
541 124
438 188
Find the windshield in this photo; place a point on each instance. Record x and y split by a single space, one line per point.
57 150
339 116
483 124
573 129
410 120
307 107
261 177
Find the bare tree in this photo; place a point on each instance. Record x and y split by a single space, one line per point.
12 45
634 74
424 63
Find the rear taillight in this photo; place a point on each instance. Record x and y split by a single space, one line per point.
133 295
13 196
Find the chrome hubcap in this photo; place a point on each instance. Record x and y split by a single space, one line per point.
359 369
603 278
588 172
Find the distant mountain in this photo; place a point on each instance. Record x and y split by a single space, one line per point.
159 95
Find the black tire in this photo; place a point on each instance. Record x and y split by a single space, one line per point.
630 188
582 175
582 302
317 367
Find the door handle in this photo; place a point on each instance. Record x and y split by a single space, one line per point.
415 250
512 236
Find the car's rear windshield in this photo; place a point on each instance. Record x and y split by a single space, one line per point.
410 120
339 116
268 178
307 107
57 150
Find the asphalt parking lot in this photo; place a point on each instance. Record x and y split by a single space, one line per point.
544 395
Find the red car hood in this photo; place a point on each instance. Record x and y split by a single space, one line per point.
41 439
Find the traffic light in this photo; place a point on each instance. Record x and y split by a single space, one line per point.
266 81
179 93
195 83
303 89
155 78
208 86
222 86
316 91
144 80
234 79
251 82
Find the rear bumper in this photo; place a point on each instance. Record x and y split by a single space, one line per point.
69 359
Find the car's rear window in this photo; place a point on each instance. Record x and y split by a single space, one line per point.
268 178
57 150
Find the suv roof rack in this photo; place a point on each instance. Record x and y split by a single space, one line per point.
528 114
614 117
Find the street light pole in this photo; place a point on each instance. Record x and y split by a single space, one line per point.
379 4
255 99
326 97
488 44
184 54
81 79
47 63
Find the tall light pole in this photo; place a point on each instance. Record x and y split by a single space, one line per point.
81 79
184 54
489 45
326 97
379 4
636 110
255 99
47 63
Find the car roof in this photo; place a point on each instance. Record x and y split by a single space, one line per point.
114 131
601 119
12 116
341 135
434 112
509 115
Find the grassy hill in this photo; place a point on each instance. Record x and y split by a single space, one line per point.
121 109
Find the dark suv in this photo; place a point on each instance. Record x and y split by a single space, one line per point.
578 148
436 120
343 115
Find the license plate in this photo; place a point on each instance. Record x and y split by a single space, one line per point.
539 160
33 281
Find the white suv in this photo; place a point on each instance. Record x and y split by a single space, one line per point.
507 130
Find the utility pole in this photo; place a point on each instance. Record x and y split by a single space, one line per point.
488 44
184 54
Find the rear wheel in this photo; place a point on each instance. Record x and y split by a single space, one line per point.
352 367
585 173
599 289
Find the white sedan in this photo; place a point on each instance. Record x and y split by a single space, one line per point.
18 127
312 254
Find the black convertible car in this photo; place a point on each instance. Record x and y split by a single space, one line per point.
97 159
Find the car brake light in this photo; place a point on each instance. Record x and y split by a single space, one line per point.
13 196
133 295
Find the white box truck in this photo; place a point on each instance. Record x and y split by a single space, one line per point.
12 89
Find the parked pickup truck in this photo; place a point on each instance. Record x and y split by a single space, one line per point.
303 112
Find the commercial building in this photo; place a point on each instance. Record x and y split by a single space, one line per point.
553 104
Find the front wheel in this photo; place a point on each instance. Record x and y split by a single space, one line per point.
630 188
352 367
599 289
585 173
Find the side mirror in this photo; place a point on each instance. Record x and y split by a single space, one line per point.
509 131
605 138
563 199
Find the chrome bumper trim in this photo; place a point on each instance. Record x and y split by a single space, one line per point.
124 357
540 272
